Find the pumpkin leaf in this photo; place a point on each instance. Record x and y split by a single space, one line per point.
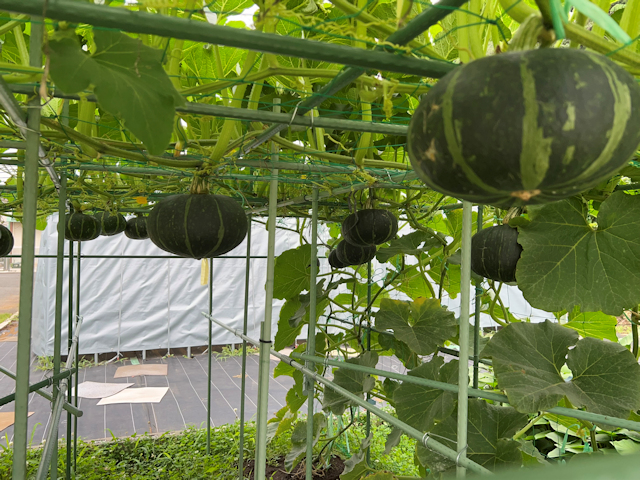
594 324
127 78
566 262
299 440
421 406
357 383
490 429
292 272
422 324
415 243
287 333
528 358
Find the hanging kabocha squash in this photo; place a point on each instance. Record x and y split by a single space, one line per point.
136 228
197 225
495 252
526 127
335 263
111 223
349 254
80 227
369 227
6 241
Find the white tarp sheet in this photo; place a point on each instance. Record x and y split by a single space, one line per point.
145 304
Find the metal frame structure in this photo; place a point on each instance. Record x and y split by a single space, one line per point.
356 61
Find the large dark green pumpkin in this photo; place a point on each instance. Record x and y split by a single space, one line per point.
495 252
197 225
369 227
136 228
349 254
335 263
80 227
526 127
111 223
6 241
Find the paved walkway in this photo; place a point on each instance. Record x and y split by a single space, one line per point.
9 292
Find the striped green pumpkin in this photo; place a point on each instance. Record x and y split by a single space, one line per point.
371 226
348 254
197 225
111 223
526 127
80 227
6 241
136 228
495 252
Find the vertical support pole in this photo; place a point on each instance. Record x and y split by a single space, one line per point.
265 329
69 340
311 331
57 328
209 358
76 361
30 209
476 320
243 381
368 313
463 364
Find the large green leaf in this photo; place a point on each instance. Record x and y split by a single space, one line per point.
356 382
127 78
566 262
413 283
292 272
422 324
490 429
299 440
421 406
288 333
527 359
594 324
415 243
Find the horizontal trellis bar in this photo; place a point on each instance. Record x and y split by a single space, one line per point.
423 438
245 114
67 406
496 397
166 26
37 386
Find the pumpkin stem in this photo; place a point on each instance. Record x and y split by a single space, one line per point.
199 185
76 206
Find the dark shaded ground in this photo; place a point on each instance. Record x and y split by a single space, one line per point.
279 473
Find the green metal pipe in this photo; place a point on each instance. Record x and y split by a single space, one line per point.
474 393
311 331
209 358
37 386
52 436
69 342
245 324
30 211
421 23
400 177
77 359
463 363
424 438
368 313
476 319
265 330
220 111
197 31
68 407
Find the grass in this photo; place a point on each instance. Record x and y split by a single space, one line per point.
228 352
4 316
182 456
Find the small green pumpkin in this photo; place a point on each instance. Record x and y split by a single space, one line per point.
6 241
136 228
80 227
349 254
369 227
495 252
111 223
335 263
